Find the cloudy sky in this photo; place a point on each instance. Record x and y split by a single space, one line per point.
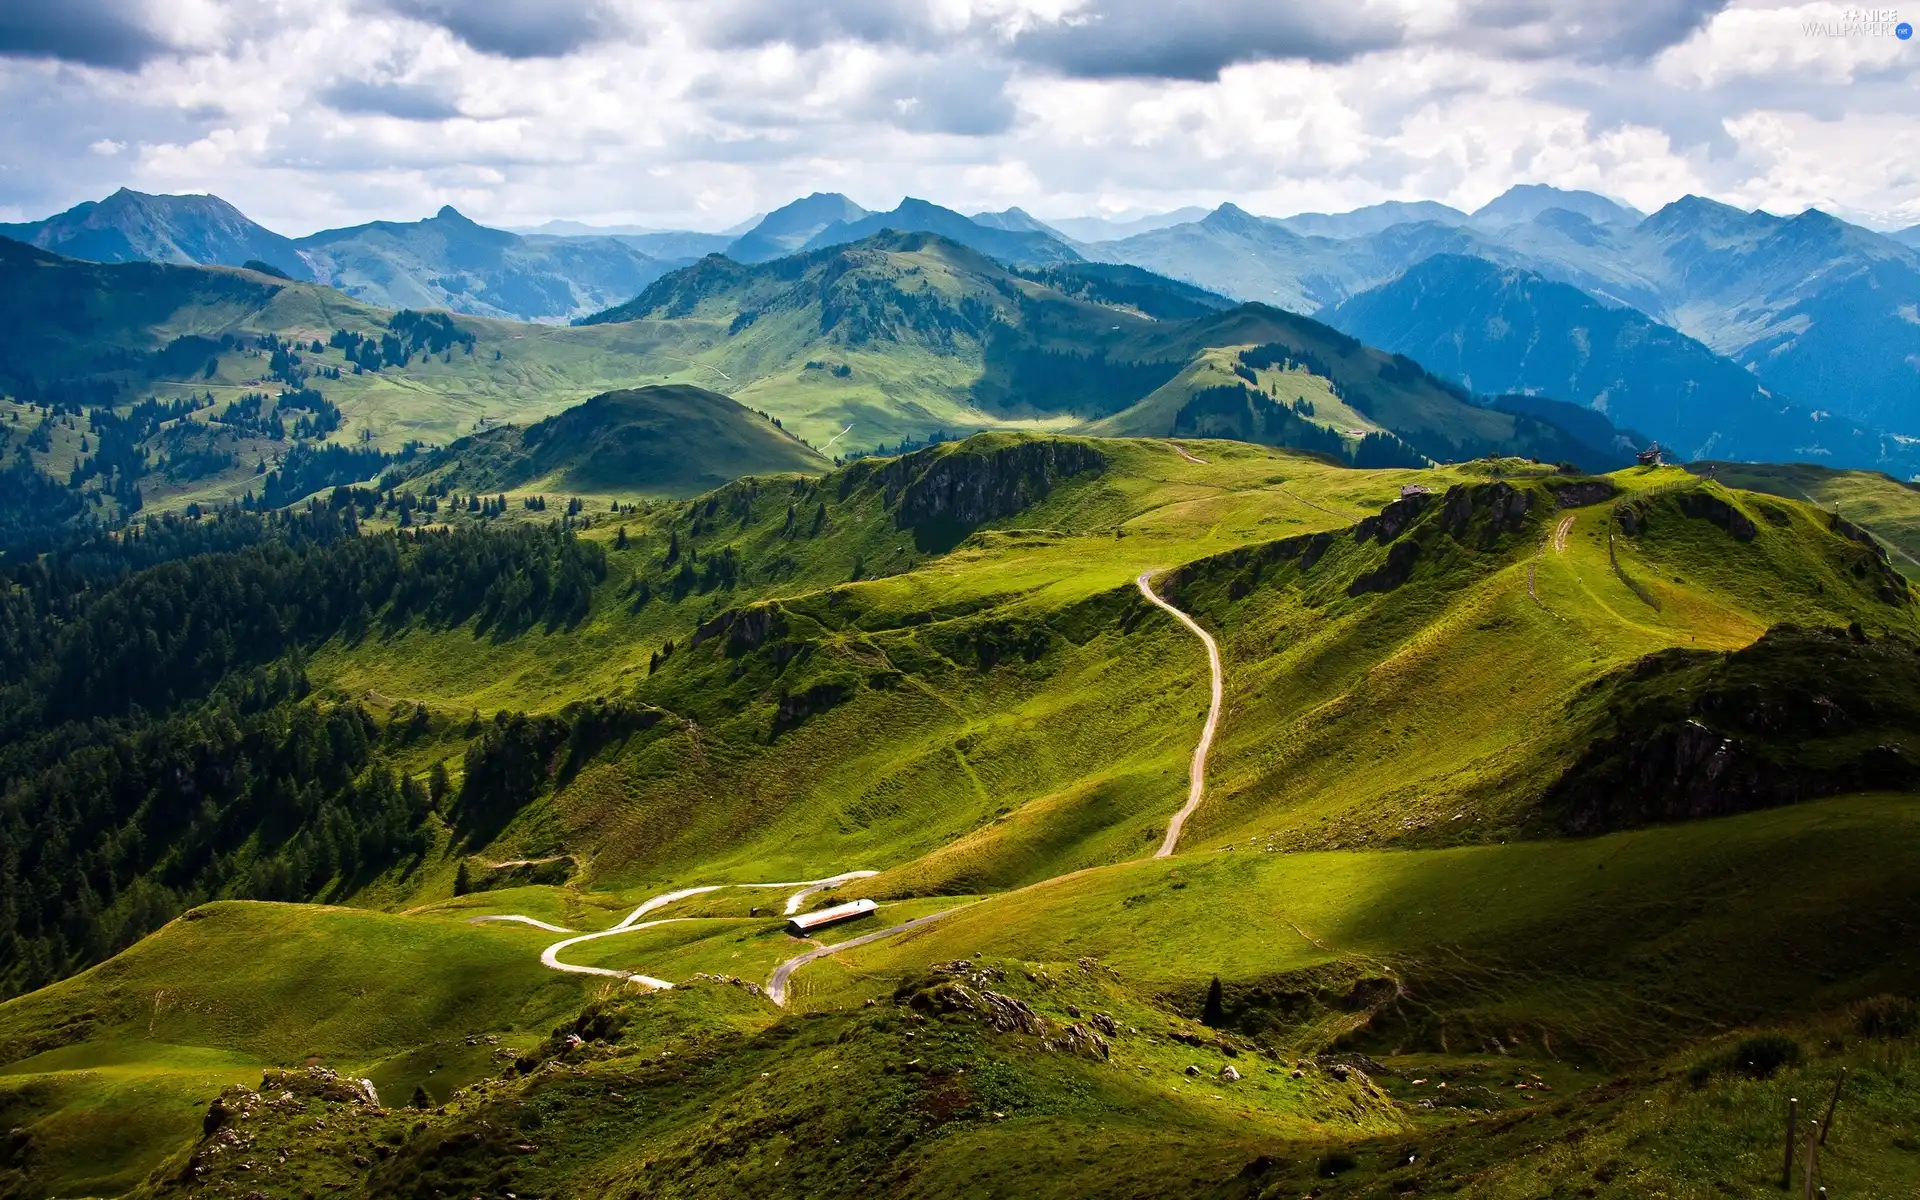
698 113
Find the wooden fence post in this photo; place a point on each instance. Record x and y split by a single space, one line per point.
1793 1123
1826 1126
1813 1156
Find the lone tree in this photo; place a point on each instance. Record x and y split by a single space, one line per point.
420 1097
1213 1014
463 881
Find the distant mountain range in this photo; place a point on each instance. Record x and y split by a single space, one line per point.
1812 306
855 329
1502 330
1019 241
131 226
445 261
1822 315
1108 229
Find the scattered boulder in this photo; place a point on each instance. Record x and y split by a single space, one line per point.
1229 1074
745 985
320 1083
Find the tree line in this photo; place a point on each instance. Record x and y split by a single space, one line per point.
157 741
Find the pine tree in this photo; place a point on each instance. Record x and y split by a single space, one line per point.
1213 1015
463 880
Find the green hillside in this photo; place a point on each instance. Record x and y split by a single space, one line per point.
136 387
1411 864
665 440
1879 502
835 329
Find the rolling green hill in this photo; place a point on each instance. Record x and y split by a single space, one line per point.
1075 343
266 389
939 667
1889 508
664 440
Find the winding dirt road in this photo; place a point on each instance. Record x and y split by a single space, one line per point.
1197 773
631 923
777 985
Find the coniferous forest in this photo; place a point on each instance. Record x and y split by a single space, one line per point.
161 747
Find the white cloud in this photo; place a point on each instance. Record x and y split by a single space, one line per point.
671 112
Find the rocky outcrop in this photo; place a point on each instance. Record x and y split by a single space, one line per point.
791 708
1503 506
1389 575
962 487
744 628
1579 493
1393 520
962 988
1798 715
1703 505
319 1083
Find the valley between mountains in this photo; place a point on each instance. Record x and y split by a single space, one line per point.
1514 773
1275 765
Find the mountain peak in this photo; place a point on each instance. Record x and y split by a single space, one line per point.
1525 201
788 227
1691 212
1231 218
449 213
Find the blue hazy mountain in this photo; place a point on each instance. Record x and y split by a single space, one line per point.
1373 218
1021 246
131 226
1505 330
787 229
448 261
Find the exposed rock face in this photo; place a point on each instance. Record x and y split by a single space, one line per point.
1705 506
1391 574
963 488
744 628
1475 516
791 708
1393 520
1853 533
320 1084
1798 715
1579 493
1505 507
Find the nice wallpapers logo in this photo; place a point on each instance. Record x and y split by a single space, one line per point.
1862 22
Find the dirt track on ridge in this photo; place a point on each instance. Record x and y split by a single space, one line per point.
1197 773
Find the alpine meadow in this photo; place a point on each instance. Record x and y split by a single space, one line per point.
588 695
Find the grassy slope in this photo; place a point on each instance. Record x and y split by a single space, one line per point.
115 1066
1345 714
657 441
965 778
1569 941
1889 508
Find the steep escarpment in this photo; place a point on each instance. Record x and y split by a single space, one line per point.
1470 528
1800 714
945 492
